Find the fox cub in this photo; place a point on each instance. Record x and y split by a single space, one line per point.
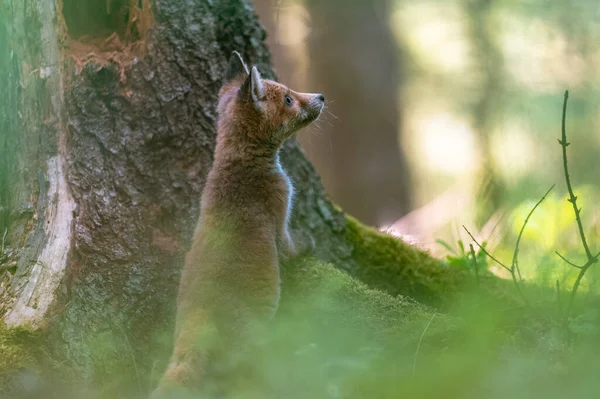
230 281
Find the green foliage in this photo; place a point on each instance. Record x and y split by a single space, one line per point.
332 331
464 259
552 229
334 337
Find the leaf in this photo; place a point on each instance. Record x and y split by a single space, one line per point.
446 245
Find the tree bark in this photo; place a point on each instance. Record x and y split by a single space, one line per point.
106 143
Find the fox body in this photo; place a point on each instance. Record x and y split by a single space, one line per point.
230 281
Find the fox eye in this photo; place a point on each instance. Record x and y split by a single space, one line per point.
288 100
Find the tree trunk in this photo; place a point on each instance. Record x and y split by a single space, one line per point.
488 104
108 130
354 61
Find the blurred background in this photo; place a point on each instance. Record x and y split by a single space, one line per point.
446 113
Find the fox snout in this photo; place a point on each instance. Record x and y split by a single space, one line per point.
317 100
314 106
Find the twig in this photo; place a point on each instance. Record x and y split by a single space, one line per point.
572 198
486 252
419 345
515 261
514 269
509 269
568 261
591 259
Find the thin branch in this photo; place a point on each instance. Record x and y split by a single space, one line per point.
419 345
568 261
573 200
515 261
486 252
572 197
576 287
510 270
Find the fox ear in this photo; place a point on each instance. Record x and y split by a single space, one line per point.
256 85
237 67
253 88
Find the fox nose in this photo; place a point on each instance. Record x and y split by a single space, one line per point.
321 97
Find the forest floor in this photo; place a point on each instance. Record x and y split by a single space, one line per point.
336 338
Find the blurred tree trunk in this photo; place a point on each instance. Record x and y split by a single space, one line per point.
105 145
269 12
487 105
354 61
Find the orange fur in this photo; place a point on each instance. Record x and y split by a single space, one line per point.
230 282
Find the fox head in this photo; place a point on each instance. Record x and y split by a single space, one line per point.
263 111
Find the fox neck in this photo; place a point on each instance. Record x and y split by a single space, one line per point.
236 147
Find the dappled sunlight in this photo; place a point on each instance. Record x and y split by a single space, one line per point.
293 22
446 143
514 151
538 55
435 34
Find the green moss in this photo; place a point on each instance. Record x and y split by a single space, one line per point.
391 265
332 331
334 336
323 291
17 351
14 348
